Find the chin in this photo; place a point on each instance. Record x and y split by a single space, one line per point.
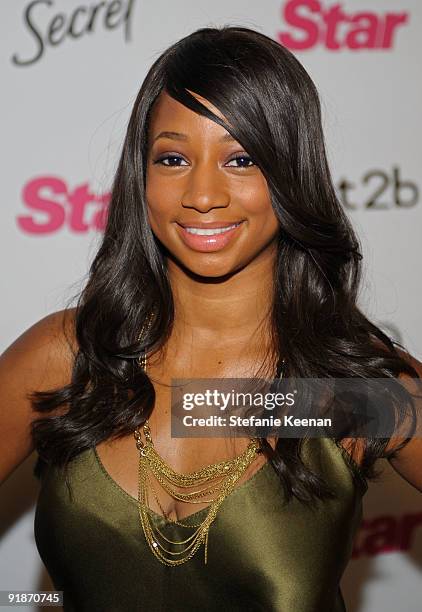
209 267
212 270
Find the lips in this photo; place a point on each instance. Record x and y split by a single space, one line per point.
209 242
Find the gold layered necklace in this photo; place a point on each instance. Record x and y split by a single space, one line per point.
226 473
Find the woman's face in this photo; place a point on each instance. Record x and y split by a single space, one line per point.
199 182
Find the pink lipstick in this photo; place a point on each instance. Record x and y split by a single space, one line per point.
208 237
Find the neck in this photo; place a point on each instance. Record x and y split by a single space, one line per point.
233 307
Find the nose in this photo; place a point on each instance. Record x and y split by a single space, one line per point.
205 190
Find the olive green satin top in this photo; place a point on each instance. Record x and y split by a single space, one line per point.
263 555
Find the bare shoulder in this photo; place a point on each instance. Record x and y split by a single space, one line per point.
40 359
43 354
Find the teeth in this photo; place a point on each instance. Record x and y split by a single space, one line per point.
209 232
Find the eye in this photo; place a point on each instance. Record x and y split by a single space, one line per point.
243 158
173 161
173 158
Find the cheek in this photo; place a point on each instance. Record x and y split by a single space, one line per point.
152 190
256 202
160 204
155 213
253 195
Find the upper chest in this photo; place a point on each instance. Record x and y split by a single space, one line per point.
121 457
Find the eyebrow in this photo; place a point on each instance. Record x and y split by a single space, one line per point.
180 136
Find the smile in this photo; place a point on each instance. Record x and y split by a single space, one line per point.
210 232
209 239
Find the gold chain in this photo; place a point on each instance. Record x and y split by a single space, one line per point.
232 470
228 471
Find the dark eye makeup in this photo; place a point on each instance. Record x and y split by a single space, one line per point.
160 160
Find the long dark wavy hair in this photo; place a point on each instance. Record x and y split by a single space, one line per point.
273 110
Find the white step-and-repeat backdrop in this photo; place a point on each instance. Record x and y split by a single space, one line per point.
70 71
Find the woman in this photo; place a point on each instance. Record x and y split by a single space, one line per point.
226 254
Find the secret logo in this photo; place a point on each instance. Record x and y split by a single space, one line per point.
51 30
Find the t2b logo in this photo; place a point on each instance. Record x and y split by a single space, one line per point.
387 191
336 29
